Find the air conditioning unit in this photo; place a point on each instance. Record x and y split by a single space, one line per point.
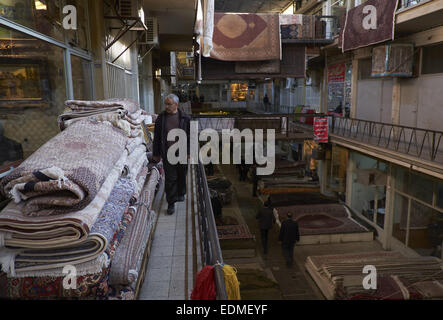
151 36
393 60
128 8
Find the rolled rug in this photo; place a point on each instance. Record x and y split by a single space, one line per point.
129 255
102 232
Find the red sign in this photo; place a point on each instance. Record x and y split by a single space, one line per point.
321 130
337 73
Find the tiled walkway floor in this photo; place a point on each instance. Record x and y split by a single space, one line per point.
175 255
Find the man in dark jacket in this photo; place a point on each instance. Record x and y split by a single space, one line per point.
175 175
289 235
266 220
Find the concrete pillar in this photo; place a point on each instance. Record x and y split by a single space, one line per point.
349 180
389 210
396 95
97 33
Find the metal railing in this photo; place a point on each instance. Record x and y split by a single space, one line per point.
410 3
211 245
418 142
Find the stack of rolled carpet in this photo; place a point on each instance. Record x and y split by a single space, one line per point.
75 201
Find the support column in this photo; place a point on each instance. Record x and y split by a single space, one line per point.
349 180
396 96
97 33
354 88
389 209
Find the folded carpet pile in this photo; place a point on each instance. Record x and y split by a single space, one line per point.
76 200
340 276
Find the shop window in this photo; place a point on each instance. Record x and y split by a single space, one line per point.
369 188
336 169
32 92
44 16
239 91
415 185
432 61
417 222
339 88
81 78
401 210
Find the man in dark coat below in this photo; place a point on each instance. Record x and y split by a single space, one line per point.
175 175
289 235
266 220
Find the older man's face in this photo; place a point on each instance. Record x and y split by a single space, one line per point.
170 106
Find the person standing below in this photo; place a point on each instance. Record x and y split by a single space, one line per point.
266 220
175 175
289 236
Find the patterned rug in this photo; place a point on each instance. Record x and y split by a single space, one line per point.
356 36
291 199
268 66
321 219
49 284
234 232
246 37
301 27
129 256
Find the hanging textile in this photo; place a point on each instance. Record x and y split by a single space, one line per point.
231 283
369 23
246 37
204 288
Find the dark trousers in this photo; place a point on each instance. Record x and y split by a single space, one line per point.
175 181
264 239
288 252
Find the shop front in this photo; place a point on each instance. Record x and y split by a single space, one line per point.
405 207
42 65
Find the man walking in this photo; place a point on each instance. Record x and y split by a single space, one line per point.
266 220
289 235
175 175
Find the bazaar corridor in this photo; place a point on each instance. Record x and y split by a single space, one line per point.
221 150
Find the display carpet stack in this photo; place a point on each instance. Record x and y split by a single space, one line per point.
324 223
291 199
77 200
288 177
398 277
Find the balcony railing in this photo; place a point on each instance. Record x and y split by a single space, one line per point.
210 241
411 3
417 142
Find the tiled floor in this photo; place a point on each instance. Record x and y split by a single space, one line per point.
171 266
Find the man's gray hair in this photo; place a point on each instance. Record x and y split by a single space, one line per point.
173 97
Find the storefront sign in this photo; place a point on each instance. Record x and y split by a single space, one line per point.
321 130
337 73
